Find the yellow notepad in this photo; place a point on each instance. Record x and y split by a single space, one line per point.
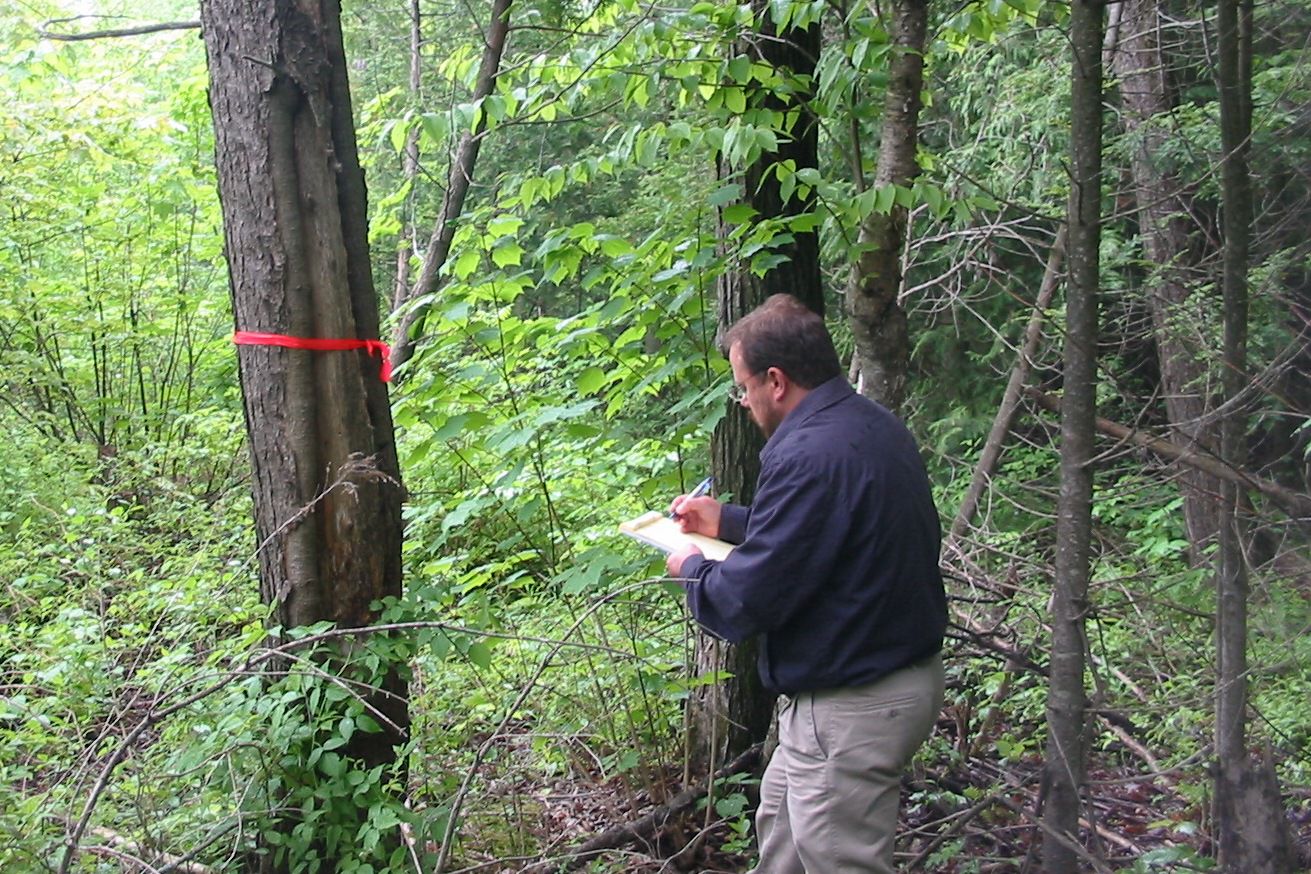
658 530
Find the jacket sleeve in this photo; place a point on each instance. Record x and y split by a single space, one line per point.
733 523
794 535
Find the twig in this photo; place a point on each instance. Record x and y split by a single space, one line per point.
1009 408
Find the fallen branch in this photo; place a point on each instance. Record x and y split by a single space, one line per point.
646 828
958 821
1294 503
1092 861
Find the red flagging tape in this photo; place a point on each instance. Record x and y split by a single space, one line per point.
373 347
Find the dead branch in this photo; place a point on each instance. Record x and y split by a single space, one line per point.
1010 403
139 30
957 823
649 826
1297 505
969 629
135 853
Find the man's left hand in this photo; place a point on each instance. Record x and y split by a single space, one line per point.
674 564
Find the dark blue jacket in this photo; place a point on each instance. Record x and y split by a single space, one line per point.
837 559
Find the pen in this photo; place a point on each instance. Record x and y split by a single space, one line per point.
702 488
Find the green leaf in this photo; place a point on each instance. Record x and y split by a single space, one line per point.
885 199
480 654
725 194
466 264
591 380
452 427
436 127
738 213
504 226
397 135
732 806
858 53
614 247
332 765
559 413
933 197
507 255
806 222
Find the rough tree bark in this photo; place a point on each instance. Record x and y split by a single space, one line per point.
458 180
878 322
726 718
1172 246
326 481
1064 776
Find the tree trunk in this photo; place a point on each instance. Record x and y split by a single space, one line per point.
1066 703
458 181
727 718
1252 834
878 322
1171 244
326 481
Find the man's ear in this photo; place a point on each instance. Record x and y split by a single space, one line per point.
778 382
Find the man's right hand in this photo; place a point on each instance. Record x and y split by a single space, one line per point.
697 515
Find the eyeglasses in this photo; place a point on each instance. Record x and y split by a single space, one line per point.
737 392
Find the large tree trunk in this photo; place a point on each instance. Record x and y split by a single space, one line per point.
1172 246
726 718
326 481
1066 704
878 323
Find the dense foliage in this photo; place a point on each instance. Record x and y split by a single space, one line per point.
567 378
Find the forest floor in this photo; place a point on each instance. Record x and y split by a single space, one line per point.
971 817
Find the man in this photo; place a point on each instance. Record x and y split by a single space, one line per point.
836 568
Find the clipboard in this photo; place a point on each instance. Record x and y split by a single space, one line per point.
658 530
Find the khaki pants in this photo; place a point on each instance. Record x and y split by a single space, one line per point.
829 799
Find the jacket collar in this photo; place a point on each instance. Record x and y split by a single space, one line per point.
821 397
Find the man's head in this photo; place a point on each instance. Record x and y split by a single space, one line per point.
779 352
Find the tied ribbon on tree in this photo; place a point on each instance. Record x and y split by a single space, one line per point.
373 347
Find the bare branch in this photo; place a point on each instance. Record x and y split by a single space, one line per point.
1295 504
139 30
